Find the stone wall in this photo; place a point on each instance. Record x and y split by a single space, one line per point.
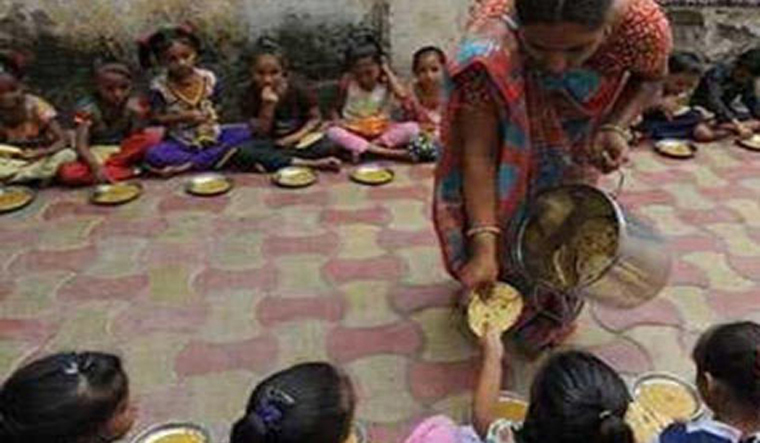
717 33
65 35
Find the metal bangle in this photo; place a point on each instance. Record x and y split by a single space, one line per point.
495 230
616 129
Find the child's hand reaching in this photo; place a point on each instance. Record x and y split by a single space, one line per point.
493 347
669 106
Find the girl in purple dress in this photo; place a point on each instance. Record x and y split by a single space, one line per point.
183 99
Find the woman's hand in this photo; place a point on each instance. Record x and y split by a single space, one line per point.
609 150
482 270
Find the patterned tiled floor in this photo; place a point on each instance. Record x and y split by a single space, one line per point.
205 296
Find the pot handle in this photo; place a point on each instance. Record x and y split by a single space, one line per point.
621 181
619 188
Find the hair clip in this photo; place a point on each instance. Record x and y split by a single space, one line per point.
72 368
605 414
279 396
271 408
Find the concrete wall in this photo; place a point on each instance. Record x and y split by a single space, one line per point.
717 33
403 24
65 35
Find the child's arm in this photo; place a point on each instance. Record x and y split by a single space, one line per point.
139 107
336 113
751 100
82 146
315 120
714 98
175 118
263 123
60 141
307 98
160 116
489 383
400 92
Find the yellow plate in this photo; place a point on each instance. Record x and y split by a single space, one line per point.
753 143
9 151
174 433
310 139
511 407
501 309
374 175
13 198
207 185
115 194
294 177
679 149
668 396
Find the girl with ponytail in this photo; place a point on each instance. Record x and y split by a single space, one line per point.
575 398
67 398
311 402
728 377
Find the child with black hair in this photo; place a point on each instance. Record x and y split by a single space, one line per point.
67 398
183 99
310 402
574 398
723 84
728 377
282 112
367 96
426 105
112 133
671 117
36 144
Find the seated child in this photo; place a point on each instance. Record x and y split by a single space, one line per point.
111 134
722 85
183 99
575 398
310 402
362 114
71 397
426 105
671 117
728 377
280 112
28 124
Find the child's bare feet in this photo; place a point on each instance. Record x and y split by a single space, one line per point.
329 164
326 164
394 154
170 171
